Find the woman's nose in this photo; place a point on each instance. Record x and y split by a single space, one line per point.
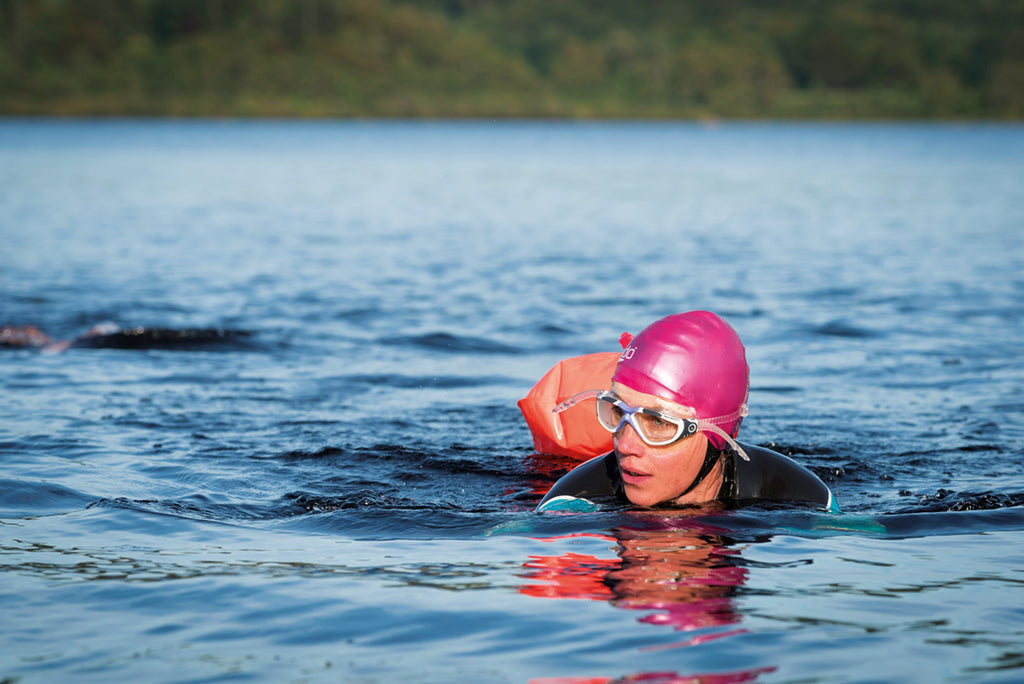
626 441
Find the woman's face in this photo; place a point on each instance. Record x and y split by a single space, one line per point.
653 475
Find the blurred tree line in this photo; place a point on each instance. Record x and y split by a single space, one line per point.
515 58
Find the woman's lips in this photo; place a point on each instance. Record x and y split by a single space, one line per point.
632 477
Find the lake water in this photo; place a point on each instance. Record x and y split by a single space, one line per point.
344 491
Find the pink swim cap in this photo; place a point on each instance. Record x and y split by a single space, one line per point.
695 359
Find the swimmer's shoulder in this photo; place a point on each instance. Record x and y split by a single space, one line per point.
768 477
585 488
771 477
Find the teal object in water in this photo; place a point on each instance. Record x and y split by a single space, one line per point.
568 504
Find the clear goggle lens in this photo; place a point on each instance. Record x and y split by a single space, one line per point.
653 427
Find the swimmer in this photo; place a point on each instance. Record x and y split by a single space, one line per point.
110 336
674 407
23 336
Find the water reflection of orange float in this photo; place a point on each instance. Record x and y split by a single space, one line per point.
681 574
569 576
686 578
662 678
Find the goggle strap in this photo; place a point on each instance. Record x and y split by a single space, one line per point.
573 400
711 427
711 424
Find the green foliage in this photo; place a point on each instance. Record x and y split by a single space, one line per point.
514 58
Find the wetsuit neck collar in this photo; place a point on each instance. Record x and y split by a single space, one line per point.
711 457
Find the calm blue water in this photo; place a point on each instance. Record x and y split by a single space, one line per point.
345 494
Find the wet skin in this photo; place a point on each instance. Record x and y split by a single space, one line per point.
653 475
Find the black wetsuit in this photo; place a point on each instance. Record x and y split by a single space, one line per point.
767 477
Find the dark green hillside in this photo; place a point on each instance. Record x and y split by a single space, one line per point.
930 59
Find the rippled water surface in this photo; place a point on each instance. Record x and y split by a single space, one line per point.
325 477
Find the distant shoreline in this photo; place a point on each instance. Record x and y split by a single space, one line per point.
859 60
705 121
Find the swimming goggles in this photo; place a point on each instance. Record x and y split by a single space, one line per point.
653 427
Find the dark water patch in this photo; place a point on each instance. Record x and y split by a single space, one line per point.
829 462
839 328
359 314
777 389
847 471
447 342
448 465
949 500
379 499
553 329
421 381
39 300
326 453
792 449
309 422
829 293
751 313
979 447
389 452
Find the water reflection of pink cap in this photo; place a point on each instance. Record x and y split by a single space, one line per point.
694 359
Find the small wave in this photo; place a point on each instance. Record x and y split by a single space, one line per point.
446 342
553 329
948 522
316 503
793 449
20 499
463 466
422 381
360 314
200 507
777 389
843 329
385 452
949 500
326 452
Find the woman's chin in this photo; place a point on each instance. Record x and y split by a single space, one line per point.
638 497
